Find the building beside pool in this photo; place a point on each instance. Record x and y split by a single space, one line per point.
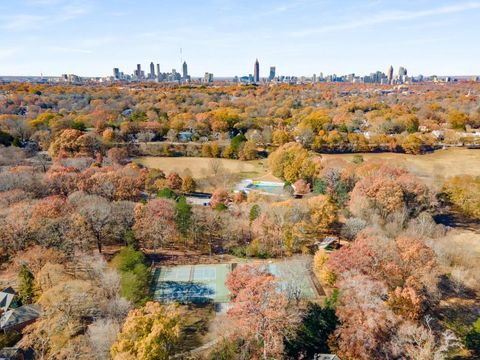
264 187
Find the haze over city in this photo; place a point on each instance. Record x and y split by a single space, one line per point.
300 37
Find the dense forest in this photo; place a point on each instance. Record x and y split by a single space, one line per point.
82 225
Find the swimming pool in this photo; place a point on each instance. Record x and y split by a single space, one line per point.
266 187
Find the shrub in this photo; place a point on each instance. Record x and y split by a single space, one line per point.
134 275
167 193
472 340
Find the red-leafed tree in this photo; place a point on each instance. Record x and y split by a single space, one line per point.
301 187
174 181
219 196
261 312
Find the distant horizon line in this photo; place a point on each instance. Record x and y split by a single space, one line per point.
228 76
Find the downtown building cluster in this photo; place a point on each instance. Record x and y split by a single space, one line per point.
390 78
154 74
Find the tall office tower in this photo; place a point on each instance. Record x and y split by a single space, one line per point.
272 73
152 71
184 71
390 74
314 78
116 73
256 71
158 69
138 73
402 71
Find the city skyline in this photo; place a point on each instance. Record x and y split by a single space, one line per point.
378 77
298 37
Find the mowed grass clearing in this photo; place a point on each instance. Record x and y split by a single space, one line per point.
433 168
200 167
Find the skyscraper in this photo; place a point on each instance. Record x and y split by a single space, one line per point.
272 73
116 73
256 71
138 72
402 71
390 74
152 71
184 71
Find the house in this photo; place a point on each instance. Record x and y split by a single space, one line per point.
438 134
326 357
127 112
7 299
17 319
12 353
328 242
185 136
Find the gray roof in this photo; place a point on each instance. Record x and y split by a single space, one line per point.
11 353
6 298
19 316
326 357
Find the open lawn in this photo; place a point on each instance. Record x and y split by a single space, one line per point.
200 167
433 168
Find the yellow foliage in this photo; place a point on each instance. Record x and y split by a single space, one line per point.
319 260
323 212
149 333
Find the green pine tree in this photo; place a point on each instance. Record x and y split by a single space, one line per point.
26 291
183 216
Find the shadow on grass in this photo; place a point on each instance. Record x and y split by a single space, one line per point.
196 320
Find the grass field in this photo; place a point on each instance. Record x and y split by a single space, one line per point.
200 167
433 167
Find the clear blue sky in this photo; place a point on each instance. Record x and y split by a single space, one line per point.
90 37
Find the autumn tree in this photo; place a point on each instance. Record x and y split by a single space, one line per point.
464 192
301 187
248 151
457 119
117 155
219 198
154 223
174 181
96 216
188 184
361 307
261 313
149 333
291 162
